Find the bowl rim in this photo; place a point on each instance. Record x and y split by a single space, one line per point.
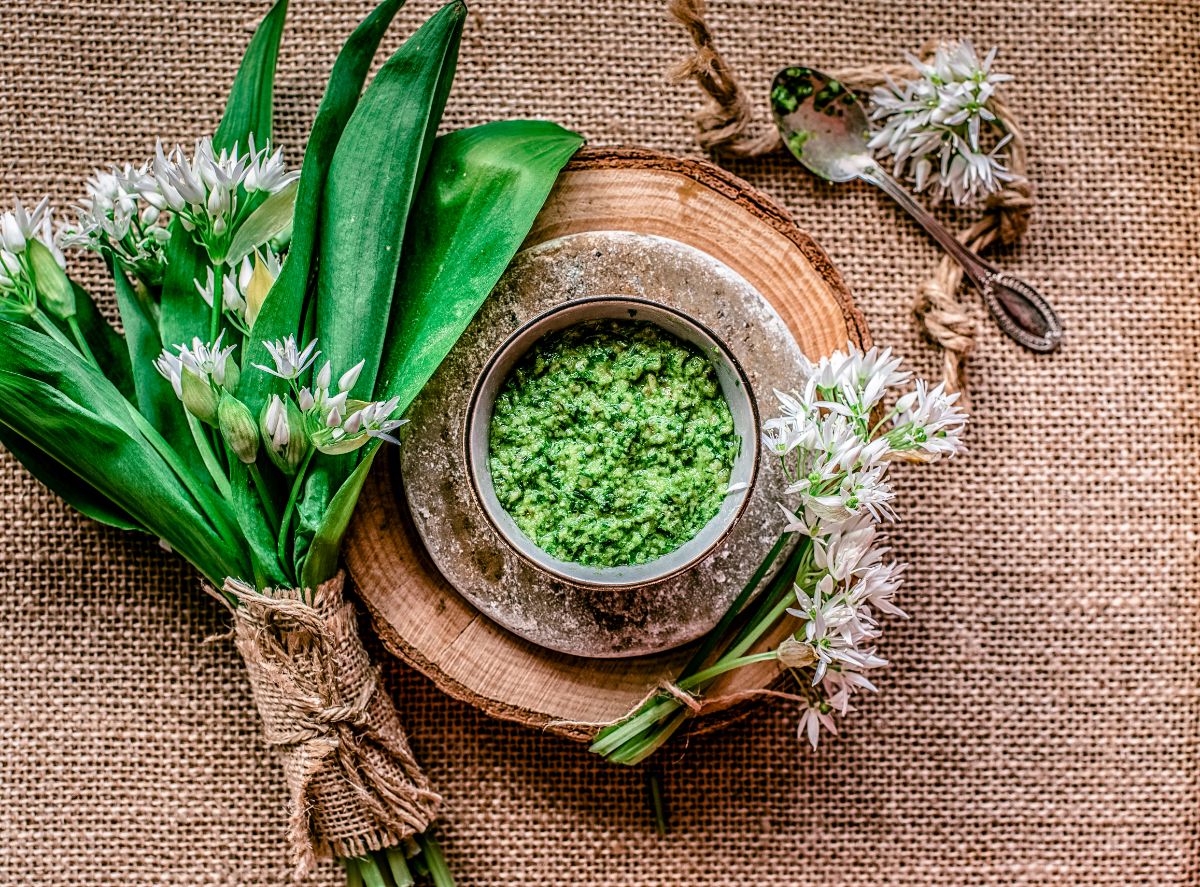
502 350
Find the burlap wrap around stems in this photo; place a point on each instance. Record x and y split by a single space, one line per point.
353 782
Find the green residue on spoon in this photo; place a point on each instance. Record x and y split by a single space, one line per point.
796 140
792 88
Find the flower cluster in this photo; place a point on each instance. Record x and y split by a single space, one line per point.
213 193
934 127
309 417
27 253
127 210
315 416
122 217
836 439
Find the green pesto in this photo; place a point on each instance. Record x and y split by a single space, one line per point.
611 443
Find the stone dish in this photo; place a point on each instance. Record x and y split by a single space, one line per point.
735 388
591 621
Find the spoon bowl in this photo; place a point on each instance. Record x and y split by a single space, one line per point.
822 123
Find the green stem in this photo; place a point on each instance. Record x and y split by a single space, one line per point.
635 752
398 864
744 596
353 875
52 331
439 872
727 663
293 495
372 874
77 334
214 326
779 589
658 804
612 737
209 458
264 494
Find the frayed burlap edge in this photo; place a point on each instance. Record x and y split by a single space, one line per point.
353 782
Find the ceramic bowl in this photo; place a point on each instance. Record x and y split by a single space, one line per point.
734 386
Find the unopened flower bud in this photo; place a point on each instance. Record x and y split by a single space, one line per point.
199 399
54 288
238 428
231 376
285 437
257 288
795 654
346 382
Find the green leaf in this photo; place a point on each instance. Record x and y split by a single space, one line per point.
372 181
67 409
282 312
271 218
321 561
374 176
250 107
483 188
152 393
260 536
67 485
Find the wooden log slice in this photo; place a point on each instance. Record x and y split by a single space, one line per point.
419 616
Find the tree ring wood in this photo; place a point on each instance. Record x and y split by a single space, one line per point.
417 613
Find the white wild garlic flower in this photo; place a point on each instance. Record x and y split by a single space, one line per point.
290 360
19 228
836 439
211 192
244 291
122 216
939 129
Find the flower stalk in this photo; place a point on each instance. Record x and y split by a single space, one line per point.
836 439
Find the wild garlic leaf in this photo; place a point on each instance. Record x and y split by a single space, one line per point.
481 192
372 181
250 107
67 409
65 483
281 313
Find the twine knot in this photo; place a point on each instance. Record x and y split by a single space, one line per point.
354 784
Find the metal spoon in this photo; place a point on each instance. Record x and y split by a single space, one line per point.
824 126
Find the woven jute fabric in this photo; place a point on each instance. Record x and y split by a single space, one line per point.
353 783
1040 723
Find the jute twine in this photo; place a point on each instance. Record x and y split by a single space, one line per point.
354 784
727 127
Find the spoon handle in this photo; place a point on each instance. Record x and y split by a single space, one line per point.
1019 309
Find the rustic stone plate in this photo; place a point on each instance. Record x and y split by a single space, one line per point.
763 278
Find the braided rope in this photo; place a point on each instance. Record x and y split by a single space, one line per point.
727 126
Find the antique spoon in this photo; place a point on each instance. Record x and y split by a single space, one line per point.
825 128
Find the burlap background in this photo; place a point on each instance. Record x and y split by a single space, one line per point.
1041 723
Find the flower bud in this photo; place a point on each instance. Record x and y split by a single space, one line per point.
199 399
285 437
795 654
232 375
54 288
238 428
256 289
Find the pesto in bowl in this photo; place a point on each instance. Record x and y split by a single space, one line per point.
611 443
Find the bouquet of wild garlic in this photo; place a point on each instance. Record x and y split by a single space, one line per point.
853 417
276 325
